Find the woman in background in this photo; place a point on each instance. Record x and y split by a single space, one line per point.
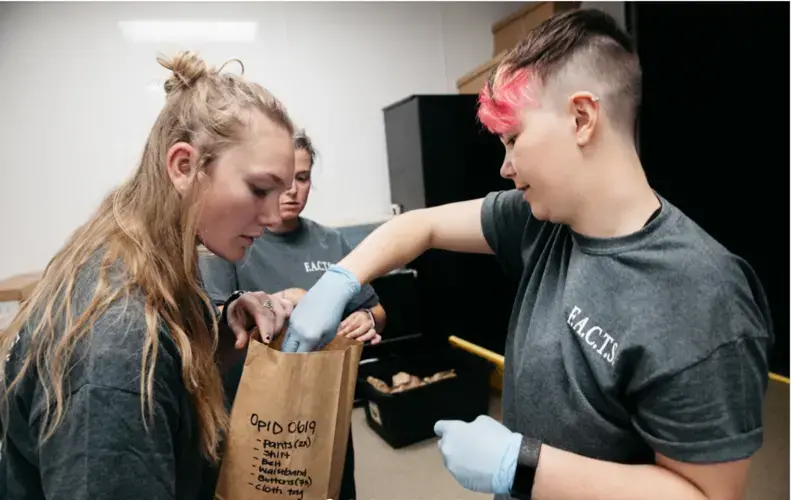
111 379
287 260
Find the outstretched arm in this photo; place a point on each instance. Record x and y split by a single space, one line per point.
456 227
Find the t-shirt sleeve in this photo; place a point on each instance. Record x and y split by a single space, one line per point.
711 411
366 298
504 219
219 277
346 248
705 401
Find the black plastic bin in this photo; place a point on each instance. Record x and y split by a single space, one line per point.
386 350
408 417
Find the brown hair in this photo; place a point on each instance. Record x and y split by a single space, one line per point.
587 38
151 230
302 142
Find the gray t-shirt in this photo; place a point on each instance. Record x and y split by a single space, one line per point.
622 347
101 449
276 262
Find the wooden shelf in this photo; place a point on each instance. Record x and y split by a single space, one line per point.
473 82
507 33
19 287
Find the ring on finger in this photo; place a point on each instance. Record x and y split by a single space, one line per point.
268 305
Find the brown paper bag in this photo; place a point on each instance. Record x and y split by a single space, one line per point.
290 423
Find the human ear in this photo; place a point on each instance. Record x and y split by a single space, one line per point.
584 108
180 161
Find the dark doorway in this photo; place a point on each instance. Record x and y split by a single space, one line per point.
714 129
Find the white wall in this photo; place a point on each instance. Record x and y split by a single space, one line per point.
77 98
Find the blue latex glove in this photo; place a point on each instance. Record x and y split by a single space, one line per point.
481 455
314 322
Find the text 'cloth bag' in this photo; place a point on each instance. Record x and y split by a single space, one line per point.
290 423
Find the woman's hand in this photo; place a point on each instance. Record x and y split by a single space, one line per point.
293 295
360 325
259 311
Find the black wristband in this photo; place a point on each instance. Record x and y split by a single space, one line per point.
224 316
526 466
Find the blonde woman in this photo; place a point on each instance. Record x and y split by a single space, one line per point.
112 369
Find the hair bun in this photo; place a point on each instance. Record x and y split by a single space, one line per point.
187 68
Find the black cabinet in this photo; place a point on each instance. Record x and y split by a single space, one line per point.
398 294
438 153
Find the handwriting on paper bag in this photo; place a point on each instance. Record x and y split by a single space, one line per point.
272 457
275 427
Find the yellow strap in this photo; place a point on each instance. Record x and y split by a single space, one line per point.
499 361
486 354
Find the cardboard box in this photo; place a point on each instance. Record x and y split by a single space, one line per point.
18 288
509 31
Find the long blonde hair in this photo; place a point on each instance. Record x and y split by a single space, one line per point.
151 230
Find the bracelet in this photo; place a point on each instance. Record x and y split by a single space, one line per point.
526 466
371 316
235 295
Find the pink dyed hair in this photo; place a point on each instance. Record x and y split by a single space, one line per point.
503 97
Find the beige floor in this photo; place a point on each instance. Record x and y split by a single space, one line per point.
769 472
411 473
417 472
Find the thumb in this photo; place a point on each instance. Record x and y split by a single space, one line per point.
236 326
290 343
443 426
303 346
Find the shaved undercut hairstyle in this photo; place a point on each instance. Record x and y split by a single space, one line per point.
577 47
